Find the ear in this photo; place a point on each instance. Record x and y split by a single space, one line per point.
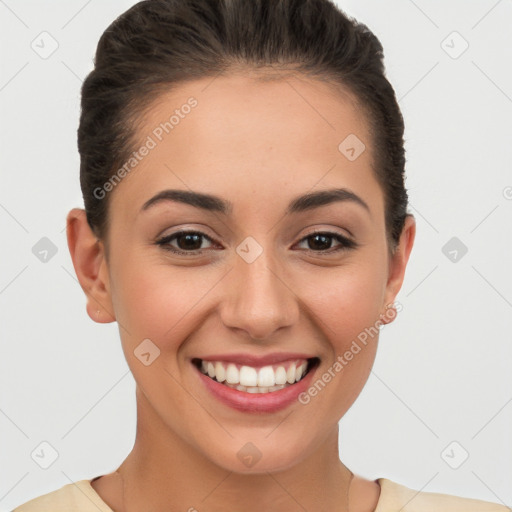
397 264
89 260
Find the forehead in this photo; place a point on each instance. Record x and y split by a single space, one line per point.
255 109
239 130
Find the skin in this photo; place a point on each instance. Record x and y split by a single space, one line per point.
246 141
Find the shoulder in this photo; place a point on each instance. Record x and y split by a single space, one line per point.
78 496
394 497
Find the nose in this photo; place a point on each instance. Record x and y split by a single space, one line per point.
258 299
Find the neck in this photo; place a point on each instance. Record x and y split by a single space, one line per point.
172 475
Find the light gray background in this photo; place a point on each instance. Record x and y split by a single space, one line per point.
443 367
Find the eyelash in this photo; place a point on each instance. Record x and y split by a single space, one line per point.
346 243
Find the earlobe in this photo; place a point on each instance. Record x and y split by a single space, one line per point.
397 265
389 314
88 255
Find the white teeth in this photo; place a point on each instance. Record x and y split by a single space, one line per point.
300 371
246 378
290 374
232 374
280 375
220 372
256 389
266 376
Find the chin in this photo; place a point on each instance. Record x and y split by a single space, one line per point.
259 456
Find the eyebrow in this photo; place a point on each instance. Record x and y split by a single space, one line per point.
213 203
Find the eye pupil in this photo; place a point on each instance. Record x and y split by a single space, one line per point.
321 246
189 246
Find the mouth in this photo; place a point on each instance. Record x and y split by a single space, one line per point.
257 379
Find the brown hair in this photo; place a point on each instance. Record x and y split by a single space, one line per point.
158 44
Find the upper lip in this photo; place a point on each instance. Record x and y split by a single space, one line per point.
254 360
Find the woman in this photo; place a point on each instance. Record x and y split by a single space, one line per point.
246 225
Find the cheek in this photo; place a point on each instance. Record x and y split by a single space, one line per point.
347 301
347 312
347 306
155 300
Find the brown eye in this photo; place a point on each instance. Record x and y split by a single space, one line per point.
321 241
186 241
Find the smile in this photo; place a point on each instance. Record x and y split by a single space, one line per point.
250 379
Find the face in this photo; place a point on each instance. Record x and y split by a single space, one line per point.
262 273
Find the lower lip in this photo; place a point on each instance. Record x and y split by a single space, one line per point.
256 402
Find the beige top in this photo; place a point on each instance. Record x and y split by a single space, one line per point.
80 496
